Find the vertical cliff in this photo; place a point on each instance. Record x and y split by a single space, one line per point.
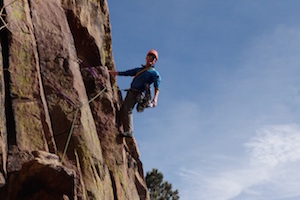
59 107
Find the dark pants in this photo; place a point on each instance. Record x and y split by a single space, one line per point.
131 99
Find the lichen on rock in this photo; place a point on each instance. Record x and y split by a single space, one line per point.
59 121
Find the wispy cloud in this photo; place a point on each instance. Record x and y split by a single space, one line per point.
275 145
269 170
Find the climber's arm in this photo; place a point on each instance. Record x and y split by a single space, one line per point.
154 101
114 73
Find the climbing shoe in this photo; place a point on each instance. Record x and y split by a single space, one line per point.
126 134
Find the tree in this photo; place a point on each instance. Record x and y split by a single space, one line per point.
158 189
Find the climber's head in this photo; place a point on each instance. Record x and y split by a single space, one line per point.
152 57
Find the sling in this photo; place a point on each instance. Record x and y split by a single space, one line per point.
143 70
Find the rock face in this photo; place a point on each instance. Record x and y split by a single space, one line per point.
59 107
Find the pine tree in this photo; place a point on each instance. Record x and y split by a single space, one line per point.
158 189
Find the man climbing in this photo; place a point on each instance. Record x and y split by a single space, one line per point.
143 77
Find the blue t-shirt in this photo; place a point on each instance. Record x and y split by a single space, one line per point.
147 77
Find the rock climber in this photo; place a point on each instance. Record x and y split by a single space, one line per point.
143 77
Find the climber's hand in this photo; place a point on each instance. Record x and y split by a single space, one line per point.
154 103
113 73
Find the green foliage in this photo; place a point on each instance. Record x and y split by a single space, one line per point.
158 189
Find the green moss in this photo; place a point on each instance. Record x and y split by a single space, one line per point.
17 11
29 127
123 183
85 166
84 160
22 61
91 180
23 77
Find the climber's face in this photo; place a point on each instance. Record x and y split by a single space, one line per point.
151 59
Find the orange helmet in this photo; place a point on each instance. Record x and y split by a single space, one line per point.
154 52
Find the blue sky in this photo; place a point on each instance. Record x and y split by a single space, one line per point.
227 122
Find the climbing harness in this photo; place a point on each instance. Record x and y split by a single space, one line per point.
144 101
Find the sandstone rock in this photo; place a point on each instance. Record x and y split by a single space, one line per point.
41 178
3 134
54 86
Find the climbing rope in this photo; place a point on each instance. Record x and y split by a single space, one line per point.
70 134
81 62
73 104
60 91
74 119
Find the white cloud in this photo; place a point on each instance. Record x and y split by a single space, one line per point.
275 145
268 172
264 90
